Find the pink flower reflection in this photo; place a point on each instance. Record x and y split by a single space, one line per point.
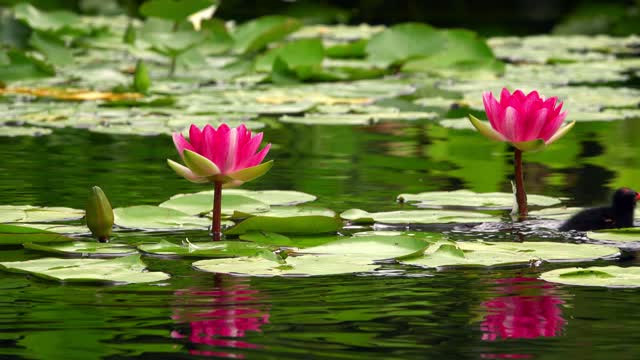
218 318
535 313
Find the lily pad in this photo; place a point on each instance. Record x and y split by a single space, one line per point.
12 131
157 218
128 269
417 217
467 198
275 197
27 213
607 276
619 235
288 211
202 203
17 235
300 241
287 225
84 248
557 213
355 119
60 228
507 253
373 247
212 249
306 265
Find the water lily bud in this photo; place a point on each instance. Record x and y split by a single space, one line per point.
99 214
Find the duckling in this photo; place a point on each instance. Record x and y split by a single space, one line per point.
618 215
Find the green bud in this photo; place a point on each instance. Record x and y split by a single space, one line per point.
141 78
99 214
130 34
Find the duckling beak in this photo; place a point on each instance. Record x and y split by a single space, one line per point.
637 196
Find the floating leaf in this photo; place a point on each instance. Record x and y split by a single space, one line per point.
211 249
505 253
128 269
12 131
70 94
52 47
28 213
84 248
608 276
202 203
256 34
558 213
300 241
174 10
618 235
467 198
373 247
306 265
355 119
47 21
22 66
18 235
287 225
157 218
288 211
60 228
417 217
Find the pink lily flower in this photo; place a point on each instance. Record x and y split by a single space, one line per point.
529 122
226 155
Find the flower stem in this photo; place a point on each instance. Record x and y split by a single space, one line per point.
521 195
217 209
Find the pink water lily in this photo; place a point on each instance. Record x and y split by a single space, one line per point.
224 156
530 122
227 155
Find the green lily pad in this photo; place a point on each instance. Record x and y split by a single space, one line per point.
306 265
212 249
493 200
404 41
157 218
256 34
12 131
608 276
373 247
128 269
300 241
507 253
557 213
28 213
60 228
17 235
288 211
202 203
619 235
84 248
287 225
275 197
417 217
355 119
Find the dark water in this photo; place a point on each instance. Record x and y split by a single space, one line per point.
422 314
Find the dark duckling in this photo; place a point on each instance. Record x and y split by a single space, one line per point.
618 215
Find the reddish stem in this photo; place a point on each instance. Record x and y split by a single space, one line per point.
217 209
521 195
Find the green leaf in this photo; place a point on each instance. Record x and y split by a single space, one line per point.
157 218
356 119
353 49
306 265
374 247
417 217
17 235
52 47
275 239
128 269
467 198
47 21
256 34
287 225
174 10
202 203
173 43
28 213
287 211
141 78
251 173
304 52
211 249
402 42
13 131
84 248
23 66
558 213
617 235
479 253
607 276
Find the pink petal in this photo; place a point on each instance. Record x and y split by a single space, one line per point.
247 151
492 108
195 138
537 121
511 124
552 126
504 97
208 141
257 158
220 147
181 143
232 150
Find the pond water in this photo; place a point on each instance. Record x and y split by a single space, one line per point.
493 314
